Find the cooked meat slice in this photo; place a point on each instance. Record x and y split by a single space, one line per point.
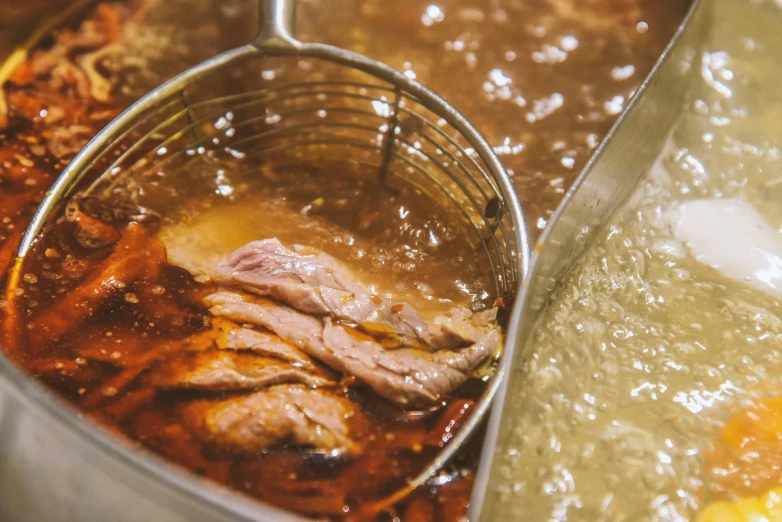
268 268
220 370
408 377
222 297
316 284
125 348
234 337
283 414
460 327
136 256
297 328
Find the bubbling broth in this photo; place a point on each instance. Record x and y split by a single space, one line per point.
670 325
152 330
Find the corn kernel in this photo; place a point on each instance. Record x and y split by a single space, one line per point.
772 502
751 510
720 512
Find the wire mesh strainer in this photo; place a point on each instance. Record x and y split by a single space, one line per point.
332 108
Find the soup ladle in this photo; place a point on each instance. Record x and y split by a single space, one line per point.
330 106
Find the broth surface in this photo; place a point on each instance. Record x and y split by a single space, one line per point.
542 80
662 333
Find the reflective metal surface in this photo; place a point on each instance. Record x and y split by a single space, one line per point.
611 176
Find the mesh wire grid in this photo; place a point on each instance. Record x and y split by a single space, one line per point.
265 112
309 107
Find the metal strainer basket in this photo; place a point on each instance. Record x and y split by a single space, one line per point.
285 103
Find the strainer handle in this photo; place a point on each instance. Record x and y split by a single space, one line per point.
278 25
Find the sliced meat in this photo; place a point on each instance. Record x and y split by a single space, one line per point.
460 327
267 267
283 415
234 337
136 256
408 377
125 348
297 328
220 370
317 284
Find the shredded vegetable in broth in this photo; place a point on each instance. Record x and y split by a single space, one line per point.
651 390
